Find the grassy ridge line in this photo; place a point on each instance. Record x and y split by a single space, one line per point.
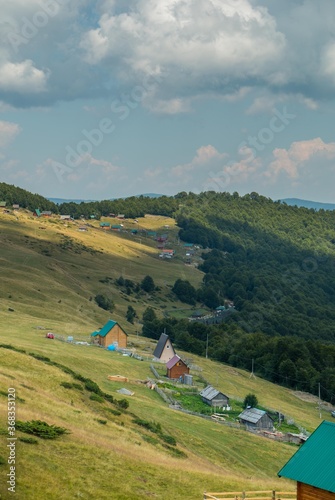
217 458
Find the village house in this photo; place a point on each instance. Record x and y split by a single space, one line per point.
16 206
37 212
164 350
213 397
313 465
46 213
177 368
255 419
110 333
2 204
105 225
65 217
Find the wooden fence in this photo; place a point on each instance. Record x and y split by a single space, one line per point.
252 495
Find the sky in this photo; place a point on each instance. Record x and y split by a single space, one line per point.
106 98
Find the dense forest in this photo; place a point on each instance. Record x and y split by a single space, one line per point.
275 262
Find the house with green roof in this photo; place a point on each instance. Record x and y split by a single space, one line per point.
37 212
2 204
105 225
110 333
313 465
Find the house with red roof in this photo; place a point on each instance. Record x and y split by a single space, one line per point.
177 368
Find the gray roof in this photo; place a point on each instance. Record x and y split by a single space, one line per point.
252 415
160 345
210 393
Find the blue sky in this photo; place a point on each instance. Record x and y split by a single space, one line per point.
100 99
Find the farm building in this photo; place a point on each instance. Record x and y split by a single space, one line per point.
213 397
16 206
256 419
176 367
46 213
37 212
164 350
109 334
313 465
116 227
65 217
105 225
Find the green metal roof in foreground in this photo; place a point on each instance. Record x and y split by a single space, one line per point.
314 462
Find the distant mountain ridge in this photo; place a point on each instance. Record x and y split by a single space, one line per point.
59 201
308 204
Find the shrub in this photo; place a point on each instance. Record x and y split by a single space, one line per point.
104 302
68 385
96 397
28 440
92 386
114 412
103 422
40 429
147 284
122 403
3 461
168 439
250 400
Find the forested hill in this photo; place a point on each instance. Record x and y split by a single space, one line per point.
276 262
15 195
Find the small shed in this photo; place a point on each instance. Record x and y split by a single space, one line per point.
164 350
16 206
256 419
65 217
177 368
109 334
313 465
213 397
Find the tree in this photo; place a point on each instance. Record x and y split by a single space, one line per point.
131 314
147 284
104 302
149 315
185 291
250 400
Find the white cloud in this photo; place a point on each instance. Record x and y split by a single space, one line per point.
22 77
205 156
8 131
293 161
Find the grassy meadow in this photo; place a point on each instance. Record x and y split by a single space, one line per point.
106 454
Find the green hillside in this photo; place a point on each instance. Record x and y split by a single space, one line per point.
51 274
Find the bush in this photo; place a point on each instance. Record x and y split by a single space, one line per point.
28 440
169 439
147 284
122 403
68 385
92 386
102 422
104 302
250 400
96 397
40 429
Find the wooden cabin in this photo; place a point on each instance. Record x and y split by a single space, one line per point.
256 419
177 368
213 397
111 333
164 350
313 465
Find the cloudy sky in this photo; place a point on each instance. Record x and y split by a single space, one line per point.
107 98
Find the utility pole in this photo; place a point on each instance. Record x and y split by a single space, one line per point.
252 375
207 345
